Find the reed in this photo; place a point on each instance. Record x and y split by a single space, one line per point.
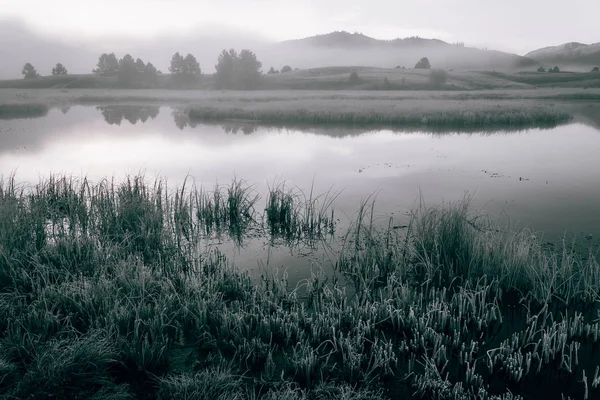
296 217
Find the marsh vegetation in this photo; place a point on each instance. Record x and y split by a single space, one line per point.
105 294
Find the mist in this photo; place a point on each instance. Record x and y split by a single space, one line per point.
19 45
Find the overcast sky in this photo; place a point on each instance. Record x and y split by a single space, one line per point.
510 25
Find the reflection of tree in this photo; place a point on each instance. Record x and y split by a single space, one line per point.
65 109
114 115
182 119
246 129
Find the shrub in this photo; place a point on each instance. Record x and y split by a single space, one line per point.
438 77
386 83
354 78
423 64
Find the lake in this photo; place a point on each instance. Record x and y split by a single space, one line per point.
546 179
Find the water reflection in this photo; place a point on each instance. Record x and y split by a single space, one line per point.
182 120
544 178
115 114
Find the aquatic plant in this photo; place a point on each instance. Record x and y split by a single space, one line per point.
296 217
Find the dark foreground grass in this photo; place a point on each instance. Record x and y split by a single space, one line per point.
103 295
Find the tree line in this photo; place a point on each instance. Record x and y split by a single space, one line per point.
233 70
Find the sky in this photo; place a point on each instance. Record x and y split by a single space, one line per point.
517 26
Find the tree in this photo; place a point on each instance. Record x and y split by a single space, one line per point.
386 83
354 78
555 69
248 70
237 71
423 64
176 64
139 65
225 69
29 71
541 69
107 65
438 77
190 66
272 71
127 71
596 69
286 68
59 69
150 71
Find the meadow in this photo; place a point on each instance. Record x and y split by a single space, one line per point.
105 293
337 78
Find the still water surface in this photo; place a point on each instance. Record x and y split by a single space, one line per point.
547 179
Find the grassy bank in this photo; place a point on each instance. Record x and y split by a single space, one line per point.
60 97
499 113
104 294
435 110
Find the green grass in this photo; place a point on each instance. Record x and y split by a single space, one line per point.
105 294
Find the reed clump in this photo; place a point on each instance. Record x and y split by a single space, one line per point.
296 217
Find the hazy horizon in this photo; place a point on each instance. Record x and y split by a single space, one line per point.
496 26
75 33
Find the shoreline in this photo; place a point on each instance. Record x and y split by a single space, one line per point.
496 108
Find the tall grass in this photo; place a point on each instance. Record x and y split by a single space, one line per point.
294 216
103 294
230 210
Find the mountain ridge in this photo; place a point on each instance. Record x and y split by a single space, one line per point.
572 53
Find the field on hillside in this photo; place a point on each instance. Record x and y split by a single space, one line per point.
58 97
338 78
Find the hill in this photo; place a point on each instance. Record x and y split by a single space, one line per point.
347 49
343 39
568 54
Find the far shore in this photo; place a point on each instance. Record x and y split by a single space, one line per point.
508 107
